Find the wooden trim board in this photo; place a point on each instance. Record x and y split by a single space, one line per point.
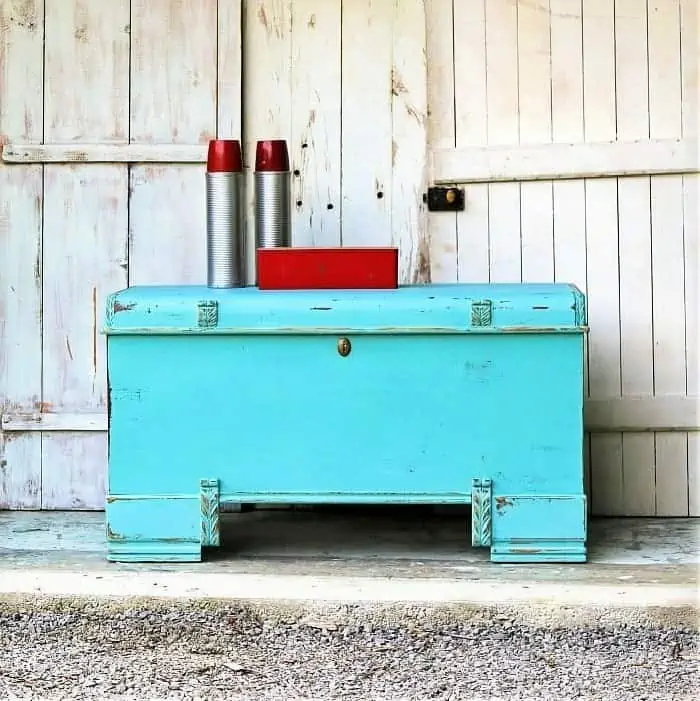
627 414
104 153
564 161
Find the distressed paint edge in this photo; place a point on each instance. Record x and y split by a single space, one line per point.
425 498
23 153
329 330
131 550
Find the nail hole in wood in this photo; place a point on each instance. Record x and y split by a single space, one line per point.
299 203
380 194
329 206
297 172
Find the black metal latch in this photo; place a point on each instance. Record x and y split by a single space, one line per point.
445 199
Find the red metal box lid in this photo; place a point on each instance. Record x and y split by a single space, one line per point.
327 268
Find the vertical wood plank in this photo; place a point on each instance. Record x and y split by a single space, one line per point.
637 353
409 144
602 245
80 270
441 52
86 98
502 108
690 53
94 36
21 54
315 122
167 225
173 100
471 119
671 459
229 86
569 197
691 217
267 101
535 113
367 127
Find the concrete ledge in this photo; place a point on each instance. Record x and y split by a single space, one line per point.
545 601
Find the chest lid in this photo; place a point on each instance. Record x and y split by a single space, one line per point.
437 308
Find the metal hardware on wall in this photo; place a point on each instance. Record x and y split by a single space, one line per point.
445 199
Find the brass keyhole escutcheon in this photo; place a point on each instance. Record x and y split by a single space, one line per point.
344 346
450 196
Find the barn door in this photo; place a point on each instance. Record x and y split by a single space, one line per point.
345 82
105 112
573 129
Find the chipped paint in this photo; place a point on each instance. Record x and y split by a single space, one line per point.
117 306
502 503
112 536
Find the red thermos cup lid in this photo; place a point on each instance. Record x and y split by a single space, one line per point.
272 156
224 156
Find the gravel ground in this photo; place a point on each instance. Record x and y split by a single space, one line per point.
190 651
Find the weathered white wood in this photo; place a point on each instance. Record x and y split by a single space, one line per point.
367 122
566 161
409 141
628 414
691 218
62 421
671 450
84 240
229 86
267 102
569 197
167 226
173 100
471 120
21 50
93 36
86 97
634 235
442 58
315 122
601 232
535 126
21 55
505 262
104 153
173 71
20 327
690 57
668 414
694 474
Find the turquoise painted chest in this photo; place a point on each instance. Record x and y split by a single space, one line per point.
436 394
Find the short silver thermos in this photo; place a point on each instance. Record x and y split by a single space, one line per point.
225 233
273 211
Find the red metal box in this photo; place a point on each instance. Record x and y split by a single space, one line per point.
328 268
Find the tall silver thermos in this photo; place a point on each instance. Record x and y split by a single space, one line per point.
225 231
273 212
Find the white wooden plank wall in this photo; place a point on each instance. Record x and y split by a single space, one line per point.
173 56
690 128
85 217
361 89
346 84
104 74
21 213
571 72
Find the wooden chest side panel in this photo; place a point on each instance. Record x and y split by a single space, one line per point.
398 419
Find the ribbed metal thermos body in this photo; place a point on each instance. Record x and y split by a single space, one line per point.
273 207
225 238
